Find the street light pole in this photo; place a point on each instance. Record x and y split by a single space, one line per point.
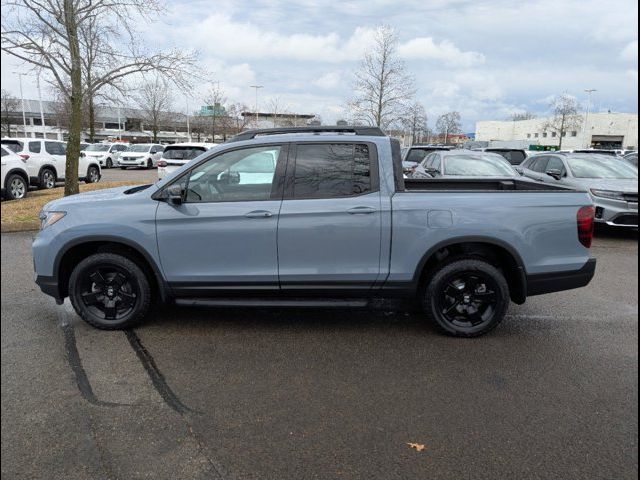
24 117
586 120
256 87
44 130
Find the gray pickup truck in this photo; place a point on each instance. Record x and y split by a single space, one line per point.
314 217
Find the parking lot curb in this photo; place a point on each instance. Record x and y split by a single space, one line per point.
19 226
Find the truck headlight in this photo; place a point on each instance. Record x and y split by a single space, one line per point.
607 194
49 218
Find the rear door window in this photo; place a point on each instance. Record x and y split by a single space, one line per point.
34 147
416 155
333 170
556 164
54 148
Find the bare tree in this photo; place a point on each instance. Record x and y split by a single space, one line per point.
382 85
448 124
516 117
215 100
199 125
234 122
154 100
565 117
415 122
8 107
51 35
277 107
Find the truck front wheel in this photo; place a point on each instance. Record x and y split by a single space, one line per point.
466 297
109 291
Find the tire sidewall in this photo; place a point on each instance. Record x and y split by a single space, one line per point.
89 179
42 179
437 282
137 276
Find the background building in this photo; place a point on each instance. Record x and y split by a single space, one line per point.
601 130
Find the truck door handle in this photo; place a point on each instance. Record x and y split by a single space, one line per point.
361 211
259 214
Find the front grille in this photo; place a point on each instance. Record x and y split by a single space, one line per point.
626 220
631 197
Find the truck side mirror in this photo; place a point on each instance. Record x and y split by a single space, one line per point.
173 194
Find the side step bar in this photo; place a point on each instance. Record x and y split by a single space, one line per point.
273 302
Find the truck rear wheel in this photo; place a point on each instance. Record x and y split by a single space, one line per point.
466 297
109 291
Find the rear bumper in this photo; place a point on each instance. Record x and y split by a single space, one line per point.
560 281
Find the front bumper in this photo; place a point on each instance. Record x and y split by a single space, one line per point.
560 281
49 286
132 163
617 213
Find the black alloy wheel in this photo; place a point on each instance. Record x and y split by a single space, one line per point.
467 297
109 291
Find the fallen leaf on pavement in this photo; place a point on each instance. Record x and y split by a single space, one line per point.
417 446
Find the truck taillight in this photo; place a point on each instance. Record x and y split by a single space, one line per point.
162 163
586 225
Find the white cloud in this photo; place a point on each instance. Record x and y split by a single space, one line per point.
630 52
425 48
328 80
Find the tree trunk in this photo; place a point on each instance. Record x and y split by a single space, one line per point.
75 125
561 131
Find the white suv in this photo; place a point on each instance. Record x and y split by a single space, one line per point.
145 155
179 154
45 161
15 180
106 154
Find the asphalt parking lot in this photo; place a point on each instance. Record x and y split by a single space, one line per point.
257 394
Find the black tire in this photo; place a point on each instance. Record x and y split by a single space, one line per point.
123 168
109 291
149 164
93 175
47 179
15 187
466 297
108 163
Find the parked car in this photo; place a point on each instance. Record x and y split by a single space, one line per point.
463 163
612 183
145 155
415 154
316 230
179 154
106 154
15 179
632 158
515 156
45 161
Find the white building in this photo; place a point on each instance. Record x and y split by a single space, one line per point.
601 130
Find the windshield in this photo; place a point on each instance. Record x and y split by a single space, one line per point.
477 166
139 148
96 147
182 153
599 166
417 154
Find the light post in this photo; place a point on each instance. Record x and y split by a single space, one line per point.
256 87
44 130
24 117
586 120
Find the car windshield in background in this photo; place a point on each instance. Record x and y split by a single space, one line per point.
515 157
417 154
598 166
477 166
139 148
97 148
182 153
13 145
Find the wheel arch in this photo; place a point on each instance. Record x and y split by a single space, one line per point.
74 251
497 252
48 166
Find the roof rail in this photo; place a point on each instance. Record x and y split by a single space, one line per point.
357 130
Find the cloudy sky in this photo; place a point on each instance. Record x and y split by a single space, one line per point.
486 59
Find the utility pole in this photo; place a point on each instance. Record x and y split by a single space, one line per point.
44 130
256 87
188 126
24 117
586 120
